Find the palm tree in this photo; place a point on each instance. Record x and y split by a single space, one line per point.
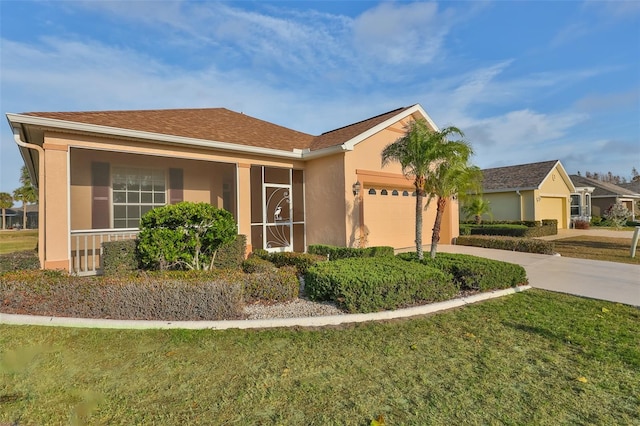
418 152
6 201
453 176
25 194
476 208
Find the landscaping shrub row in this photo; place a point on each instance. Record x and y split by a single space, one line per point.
147 297
275 285
526 245
475 273
335 253
19 260
159 295
525 229
375 284
301 261
120 256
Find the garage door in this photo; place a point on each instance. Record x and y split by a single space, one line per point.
389 217
553 208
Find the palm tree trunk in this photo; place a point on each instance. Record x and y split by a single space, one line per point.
4 219
419 224
24 215
435 238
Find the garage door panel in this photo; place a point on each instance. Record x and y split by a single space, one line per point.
553 208
390 219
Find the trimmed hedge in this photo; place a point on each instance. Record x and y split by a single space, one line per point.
19 260
119 257
301 261
523 229
136 296
335 253
231 255
475 273
257 264
527 245
276 285
375 284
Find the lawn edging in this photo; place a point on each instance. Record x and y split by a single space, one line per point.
15 319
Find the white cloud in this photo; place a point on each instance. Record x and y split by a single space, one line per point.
401 33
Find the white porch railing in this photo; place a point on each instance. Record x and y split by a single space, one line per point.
86 248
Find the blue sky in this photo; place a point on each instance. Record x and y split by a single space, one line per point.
526 81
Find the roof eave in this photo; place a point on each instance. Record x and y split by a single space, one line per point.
156 137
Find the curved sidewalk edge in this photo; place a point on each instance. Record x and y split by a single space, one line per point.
12 319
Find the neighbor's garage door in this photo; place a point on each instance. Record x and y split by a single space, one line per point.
389 217
554 208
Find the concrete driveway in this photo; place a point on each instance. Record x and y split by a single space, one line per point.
616 282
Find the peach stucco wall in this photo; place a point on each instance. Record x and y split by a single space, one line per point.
388 220
325 198
56 253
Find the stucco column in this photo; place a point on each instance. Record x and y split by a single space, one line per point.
244 202
56 215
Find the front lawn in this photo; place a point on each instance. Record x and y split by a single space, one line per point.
597 248
529 358
11 241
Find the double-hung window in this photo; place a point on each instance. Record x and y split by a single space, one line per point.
575 204
135 192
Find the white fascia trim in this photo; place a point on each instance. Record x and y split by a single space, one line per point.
156 137
406 113
309 155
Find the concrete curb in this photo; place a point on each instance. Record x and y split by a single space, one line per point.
12 319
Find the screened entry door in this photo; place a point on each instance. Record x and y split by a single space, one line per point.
278 227
277 209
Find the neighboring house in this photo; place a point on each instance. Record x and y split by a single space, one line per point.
32 216
581 208
11 218
534 191
99 172
606 194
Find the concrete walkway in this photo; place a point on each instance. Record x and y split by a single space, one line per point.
615 282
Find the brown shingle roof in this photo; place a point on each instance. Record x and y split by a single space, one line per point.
211 124
601 188
346 133
631 186
220 125
516 177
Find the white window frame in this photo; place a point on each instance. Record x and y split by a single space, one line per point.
156 175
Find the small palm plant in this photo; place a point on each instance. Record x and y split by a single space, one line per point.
476 208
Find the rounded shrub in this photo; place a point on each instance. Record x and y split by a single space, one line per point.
184 236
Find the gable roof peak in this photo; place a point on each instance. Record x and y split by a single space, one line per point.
519 176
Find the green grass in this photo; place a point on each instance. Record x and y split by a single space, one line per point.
514 360
597 248
11 241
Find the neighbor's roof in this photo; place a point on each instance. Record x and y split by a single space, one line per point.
219 124
602 189
631 186
522 176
